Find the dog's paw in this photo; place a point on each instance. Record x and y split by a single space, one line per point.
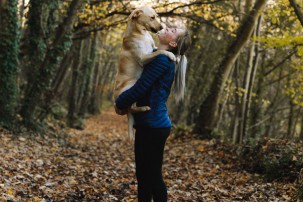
147 108
171 56
139 109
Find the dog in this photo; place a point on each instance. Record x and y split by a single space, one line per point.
137 50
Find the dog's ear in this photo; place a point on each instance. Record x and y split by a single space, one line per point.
136 13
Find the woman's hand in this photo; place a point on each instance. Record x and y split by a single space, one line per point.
120 111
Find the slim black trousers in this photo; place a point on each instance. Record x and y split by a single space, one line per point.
149 148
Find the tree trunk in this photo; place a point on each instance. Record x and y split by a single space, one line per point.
110 82
252 79
60 45
271 110
104 73
291 121
245 86
33 42
234 135
88 77
61 74
208 114
291 114
9 46
102 70
248 83
294 131
235 124
297 9
94 103
222 106
72 101
257 111
52 94
299 14
83 70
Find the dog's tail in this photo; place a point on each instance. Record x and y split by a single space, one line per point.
131 122
179 83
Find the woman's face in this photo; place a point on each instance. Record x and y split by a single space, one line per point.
168 36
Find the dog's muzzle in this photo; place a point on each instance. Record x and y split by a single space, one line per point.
153 30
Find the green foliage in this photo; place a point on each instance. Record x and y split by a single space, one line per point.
231 90
58 111
181 131
35 37
278 42
77 123
277 167
284 33
276 159
53 18
99 16
281 20
294 88
40 25
9 46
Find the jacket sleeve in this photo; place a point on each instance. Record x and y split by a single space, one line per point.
152 71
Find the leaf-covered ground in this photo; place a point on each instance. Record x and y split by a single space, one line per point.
97 164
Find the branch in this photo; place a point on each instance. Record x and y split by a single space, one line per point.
190 4
280 63
86 33
68 22
297 10
170 13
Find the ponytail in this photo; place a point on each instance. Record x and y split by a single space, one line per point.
183 43
179 83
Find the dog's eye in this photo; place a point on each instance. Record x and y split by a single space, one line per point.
153 17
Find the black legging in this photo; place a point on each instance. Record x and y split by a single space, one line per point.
149 147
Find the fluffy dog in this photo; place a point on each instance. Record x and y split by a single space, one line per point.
137 50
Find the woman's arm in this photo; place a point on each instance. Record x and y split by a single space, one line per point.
151 73
145 59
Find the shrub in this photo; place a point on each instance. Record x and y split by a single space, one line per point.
276 159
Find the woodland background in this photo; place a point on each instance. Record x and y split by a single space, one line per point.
58 61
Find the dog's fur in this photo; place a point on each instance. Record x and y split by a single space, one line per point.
137 50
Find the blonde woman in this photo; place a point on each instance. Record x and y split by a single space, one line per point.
153 127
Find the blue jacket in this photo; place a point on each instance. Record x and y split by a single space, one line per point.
152 89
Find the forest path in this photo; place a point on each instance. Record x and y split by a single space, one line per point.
97 164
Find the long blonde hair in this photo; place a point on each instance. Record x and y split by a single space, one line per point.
183 43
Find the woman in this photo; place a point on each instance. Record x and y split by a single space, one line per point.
153 127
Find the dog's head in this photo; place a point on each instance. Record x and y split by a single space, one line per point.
147 17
